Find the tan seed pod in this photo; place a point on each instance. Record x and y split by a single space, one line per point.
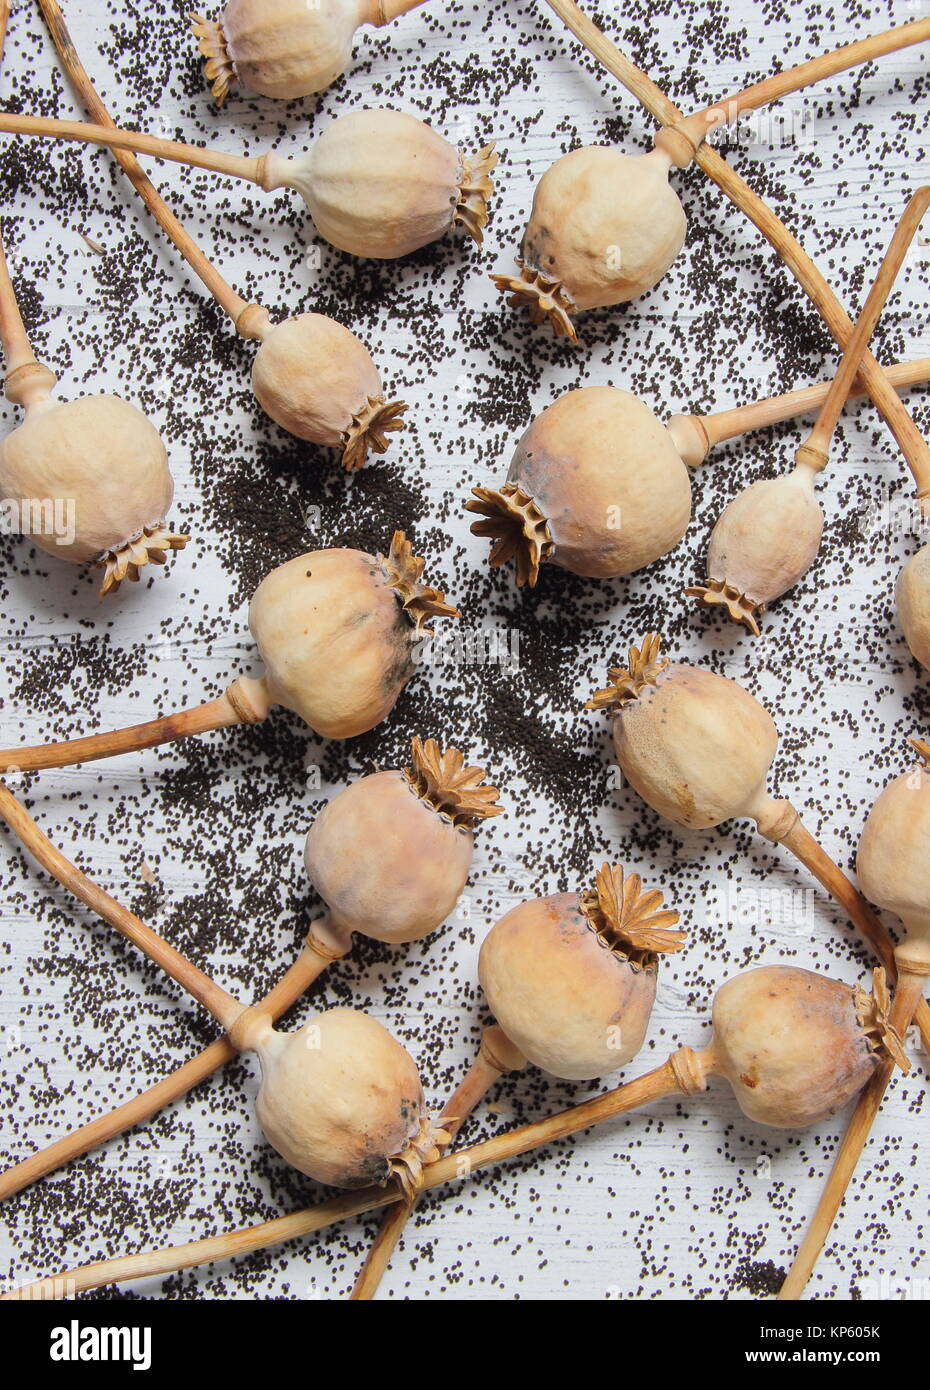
378 183
390 855
571 979
337 630
893 860
102 465
85 480
696 746
913 600
596 485
381 184
285 48
339 633
317 380
796 1046
604 228
764 543
342 1101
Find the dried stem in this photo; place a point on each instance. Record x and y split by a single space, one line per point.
320 950
654 100
236 166
245 702
908 997
786 828
852 55
4 21
685 1073
226 297
14 339
814 450
695 435
222 1005
496 1056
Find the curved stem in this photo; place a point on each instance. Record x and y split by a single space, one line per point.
786 828
654 100
815 448
236 166
685 1072
908 996
496 1056
245 702
226 297
315 956
222 1005
781 84
695 435
14 339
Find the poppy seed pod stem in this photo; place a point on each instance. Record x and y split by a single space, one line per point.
226 297
496 1057
696 435
224 1007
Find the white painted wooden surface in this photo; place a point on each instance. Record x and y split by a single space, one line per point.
689 1199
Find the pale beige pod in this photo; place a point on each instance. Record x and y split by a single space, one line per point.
89 480
571 979
341 1100
913 600
604 228
338 630
796 1046
596 485
696 746
390 855
893 860
765 541
279 48
317 380
381 184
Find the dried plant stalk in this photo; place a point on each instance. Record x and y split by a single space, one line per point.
696 435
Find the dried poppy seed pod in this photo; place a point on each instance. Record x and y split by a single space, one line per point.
604 228
913 600
764 542
99 463
317 380
696 746
85 480
341 1100
337 630
286 48
391 854
893 860
795 1046
596 485
571 978
381 184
